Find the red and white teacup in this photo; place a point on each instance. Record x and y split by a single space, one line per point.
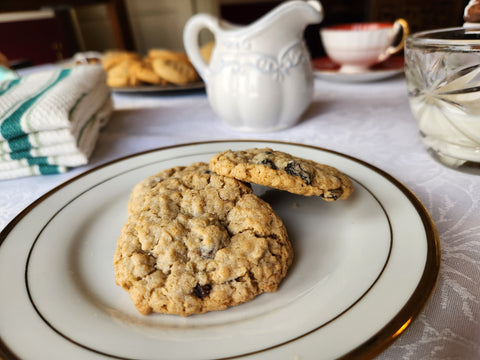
358 46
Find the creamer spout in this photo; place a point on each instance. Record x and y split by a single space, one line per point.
295 14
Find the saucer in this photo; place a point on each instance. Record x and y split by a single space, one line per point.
326 69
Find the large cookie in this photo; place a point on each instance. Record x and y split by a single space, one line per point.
200 242
137 196
283 171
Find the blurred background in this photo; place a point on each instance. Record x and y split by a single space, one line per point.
37 32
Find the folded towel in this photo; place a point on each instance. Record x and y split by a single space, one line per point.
49 121
56 158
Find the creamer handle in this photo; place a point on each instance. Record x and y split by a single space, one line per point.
190 40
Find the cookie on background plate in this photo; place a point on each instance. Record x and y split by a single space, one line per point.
174 71
283 171
196 241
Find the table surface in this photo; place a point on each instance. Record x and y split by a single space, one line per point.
370 121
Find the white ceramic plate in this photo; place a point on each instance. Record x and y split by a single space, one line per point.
199 85
363 269
326 70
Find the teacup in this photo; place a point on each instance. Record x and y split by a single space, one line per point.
358 46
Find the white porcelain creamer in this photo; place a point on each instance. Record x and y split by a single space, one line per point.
259 77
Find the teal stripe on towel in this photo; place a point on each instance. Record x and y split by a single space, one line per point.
11 127
20 143
51 169
17 155
9 85
40 160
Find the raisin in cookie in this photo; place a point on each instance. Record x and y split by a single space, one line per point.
200 242
283 171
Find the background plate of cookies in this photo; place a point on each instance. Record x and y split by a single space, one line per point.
363 269
158 70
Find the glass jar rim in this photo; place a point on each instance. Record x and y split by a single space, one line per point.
447 36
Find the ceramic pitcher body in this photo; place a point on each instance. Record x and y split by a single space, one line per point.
259 77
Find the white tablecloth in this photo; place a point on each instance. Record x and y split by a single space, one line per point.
370 121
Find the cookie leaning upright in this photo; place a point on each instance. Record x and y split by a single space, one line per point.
196 241
283 171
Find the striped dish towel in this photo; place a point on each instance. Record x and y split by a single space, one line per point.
50 120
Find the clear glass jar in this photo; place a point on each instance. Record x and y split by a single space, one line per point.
442 68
